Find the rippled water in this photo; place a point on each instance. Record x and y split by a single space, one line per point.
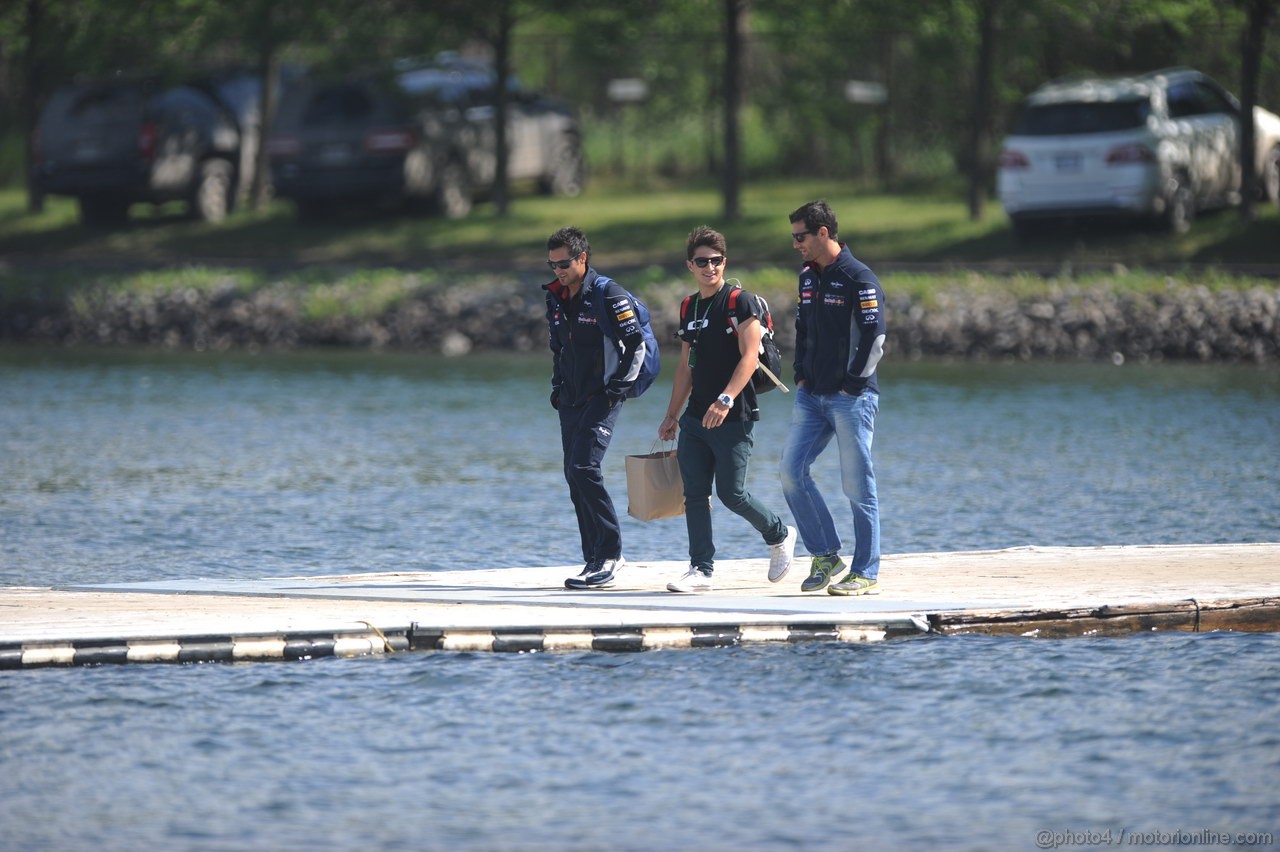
134 466
955 743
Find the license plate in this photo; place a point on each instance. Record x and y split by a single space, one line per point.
335 153
1067 162
88 149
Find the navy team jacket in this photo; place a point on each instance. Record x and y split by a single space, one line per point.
840 326
586 361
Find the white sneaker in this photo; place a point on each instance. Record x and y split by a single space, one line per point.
693 580
780 556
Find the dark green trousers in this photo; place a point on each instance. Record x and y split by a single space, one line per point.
719 457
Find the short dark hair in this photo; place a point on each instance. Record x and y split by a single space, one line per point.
815 215
704 236
570 238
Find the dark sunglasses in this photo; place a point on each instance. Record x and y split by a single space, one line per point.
561 264
801 236
714 260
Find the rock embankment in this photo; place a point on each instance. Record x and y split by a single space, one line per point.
1094 322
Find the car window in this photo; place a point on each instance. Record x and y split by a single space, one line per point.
1193 98
1063 119
1211 100
348 104
104 103
462 85
445 85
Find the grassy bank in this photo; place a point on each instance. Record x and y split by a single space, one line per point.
331 291
628 229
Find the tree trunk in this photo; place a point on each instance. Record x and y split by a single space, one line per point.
1251 44
886 165
735 14
502 70
269 72
31 103
980 114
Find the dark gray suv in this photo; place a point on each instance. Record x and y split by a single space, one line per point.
112 143
416 134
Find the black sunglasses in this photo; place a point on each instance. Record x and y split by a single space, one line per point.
800 236
561 264
714 260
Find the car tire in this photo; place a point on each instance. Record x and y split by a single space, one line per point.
99 211
213 195
313 210
1270 177
1029 230
1180 211
568 172
452 197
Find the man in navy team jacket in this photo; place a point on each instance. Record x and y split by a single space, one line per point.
840 332
591 374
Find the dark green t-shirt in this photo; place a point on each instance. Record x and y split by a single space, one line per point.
714 352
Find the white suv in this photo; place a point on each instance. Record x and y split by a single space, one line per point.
1162 145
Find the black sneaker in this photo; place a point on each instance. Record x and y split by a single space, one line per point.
601 579
587 570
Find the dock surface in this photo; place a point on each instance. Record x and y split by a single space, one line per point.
1027 591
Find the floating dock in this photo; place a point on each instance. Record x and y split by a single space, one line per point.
1026 591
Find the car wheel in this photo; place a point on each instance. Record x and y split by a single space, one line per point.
1181 208
567 174
312 210
212 200
103 210
453 191
1028 230
1271 176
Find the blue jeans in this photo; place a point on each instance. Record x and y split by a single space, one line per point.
814 420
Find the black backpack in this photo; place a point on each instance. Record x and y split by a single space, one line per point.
770 355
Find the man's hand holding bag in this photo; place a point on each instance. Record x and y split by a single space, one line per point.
655 489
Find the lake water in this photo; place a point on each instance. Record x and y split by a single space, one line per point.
119 466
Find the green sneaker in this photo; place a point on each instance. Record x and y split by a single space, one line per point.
821 570
854 584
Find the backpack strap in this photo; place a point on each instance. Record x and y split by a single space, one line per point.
731 305
602 313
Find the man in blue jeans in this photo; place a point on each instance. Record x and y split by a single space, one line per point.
840 331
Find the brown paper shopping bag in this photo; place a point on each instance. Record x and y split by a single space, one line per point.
654 487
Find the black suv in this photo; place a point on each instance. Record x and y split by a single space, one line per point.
420 134
112 143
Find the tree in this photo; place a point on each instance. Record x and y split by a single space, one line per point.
31 100
980 116
735 12
1252 37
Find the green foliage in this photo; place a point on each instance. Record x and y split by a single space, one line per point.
798 56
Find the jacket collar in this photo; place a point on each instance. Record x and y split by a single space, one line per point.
561 292
844 262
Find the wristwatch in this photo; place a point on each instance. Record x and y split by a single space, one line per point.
725 400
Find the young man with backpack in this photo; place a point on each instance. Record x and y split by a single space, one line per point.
603 352
720 330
